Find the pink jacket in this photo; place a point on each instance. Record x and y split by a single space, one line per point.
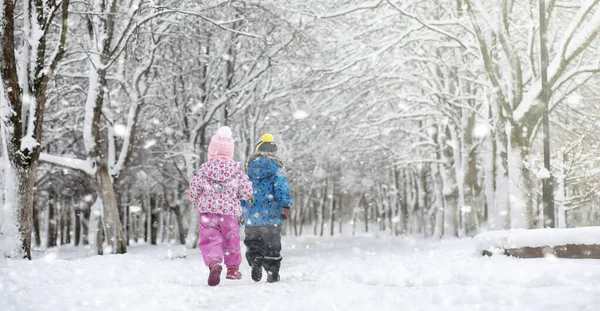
219 186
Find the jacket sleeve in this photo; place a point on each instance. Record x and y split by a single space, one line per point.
245 188
195 190
282 190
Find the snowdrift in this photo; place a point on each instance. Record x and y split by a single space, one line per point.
536 243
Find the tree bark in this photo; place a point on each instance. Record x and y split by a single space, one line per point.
366 209
68 226
51 237
85 223
26 195
332 208
25 156
180 227
153 221
99 237
322 209
112 224
61 222
36 226
77 225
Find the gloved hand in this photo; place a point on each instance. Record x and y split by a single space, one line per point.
285 213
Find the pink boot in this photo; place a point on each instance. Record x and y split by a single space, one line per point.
214 277
233 274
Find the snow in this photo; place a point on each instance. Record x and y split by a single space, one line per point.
90 103
78 164
9 233
169 130
120 130
571 42
517 238
149 143
575 100
28 142
481 130
543 173
300 114
340 273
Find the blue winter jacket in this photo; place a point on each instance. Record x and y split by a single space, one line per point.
271 193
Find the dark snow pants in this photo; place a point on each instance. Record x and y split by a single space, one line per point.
264 242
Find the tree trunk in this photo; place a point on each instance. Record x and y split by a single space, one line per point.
490 170
26 195
315 217
127 223
180 227
502 186
322 209
472 197
148 211
521 205
77 225
52 231
36 225
438 230
404 205
193 232
339 209
122 209
332 210
135 226
61 222
86 224
166 225
294 216
112 224
68 226
153 221
366 210
305 207
99 237
420 202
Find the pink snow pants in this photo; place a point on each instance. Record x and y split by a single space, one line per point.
220 239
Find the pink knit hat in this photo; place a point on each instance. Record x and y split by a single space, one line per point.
221 145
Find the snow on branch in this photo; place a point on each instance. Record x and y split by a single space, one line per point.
136 97
368 6
348 63
566 54
426 25
221 24
70 163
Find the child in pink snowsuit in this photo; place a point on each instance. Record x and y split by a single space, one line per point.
216 191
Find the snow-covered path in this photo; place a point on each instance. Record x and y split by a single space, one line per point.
341 273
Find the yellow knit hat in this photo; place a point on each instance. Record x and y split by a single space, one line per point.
267 138
266 144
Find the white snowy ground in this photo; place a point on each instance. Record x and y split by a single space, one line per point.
340 273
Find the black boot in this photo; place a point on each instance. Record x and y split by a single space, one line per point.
272 277
257 269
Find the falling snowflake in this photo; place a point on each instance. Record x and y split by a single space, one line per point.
481 130
149 143
120 130
300 114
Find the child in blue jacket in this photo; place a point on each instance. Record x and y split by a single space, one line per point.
265 213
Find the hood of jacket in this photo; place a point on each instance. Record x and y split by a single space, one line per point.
219 170
263 167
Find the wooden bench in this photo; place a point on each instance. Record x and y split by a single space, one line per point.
539 243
